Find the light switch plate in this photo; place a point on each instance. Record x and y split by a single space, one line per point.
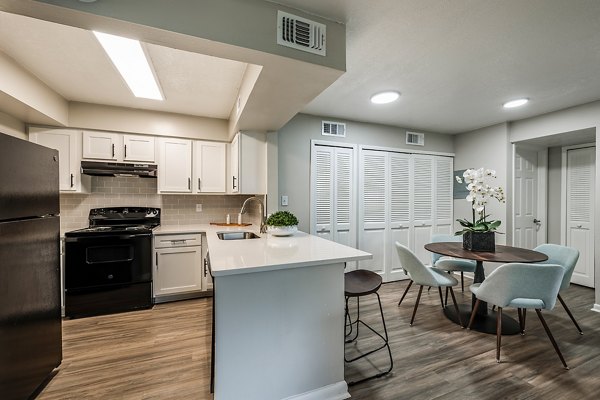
284 200
198 207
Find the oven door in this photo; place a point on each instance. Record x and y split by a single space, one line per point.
107 260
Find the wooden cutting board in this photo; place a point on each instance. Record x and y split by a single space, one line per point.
226 224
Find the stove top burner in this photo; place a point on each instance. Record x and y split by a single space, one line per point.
117 220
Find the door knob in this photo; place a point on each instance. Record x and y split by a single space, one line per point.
536 221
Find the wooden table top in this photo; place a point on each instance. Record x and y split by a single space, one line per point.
503 254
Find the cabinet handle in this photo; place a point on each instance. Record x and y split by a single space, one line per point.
113 150
72 180
189 183
156 261
205 267
234 178
198 183
125 152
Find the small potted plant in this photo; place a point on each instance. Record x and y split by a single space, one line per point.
282 223
479 233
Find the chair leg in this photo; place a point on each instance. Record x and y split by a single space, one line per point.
406 291
524 318
416 305
446 300
521 327
456 307
462 281
498 333
539 313
441 298
473 313
569 312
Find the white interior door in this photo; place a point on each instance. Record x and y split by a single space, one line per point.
580 188
399 211
373 214
443 200
333 195
526 199
422 207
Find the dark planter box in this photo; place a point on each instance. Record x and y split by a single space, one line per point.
479 241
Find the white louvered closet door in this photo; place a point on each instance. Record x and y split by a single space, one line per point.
399 212
443 201
322 191
334 195
373 214
422 206
580 211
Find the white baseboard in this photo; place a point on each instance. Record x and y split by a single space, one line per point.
336 391
596 308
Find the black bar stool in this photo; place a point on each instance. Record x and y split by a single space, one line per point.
357 284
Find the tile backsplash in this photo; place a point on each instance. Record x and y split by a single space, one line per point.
176 209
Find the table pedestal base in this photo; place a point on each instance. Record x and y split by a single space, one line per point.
483 323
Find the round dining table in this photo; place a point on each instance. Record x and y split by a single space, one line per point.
485 320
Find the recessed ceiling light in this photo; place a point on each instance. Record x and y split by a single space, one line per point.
385 97
515 103
130 60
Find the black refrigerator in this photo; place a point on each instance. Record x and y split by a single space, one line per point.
30 321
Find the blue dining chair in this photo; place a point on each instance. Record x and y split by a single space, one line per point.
425 276
451 264
521 286
567 257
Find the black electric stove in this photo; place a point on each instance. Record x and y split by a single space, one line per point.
108 266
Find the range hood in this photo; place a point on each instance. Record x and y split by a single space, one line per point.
95 168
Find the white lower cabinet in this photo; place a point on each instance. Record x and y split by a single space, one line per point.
178 266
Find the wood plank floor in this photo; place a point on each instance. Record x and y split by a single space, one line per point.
164 353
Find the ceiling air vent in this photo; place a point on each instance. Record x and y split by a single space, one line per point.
329 128
416 139
300 33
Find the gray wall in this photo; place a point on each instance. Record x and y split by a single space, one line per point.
554 195
487 148
294 154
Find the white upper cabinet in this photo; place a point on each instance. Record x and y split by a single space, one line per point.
235 164
174 165
101 145
248 163
116 147
210 165
68 144
138 148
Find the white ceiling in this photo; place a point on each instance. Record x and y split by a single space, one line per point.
72 63
456 62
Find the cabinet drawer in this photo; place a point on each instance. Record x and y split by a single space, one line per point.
177 240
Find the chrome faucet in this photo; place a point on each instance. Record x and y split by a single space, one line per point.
263 224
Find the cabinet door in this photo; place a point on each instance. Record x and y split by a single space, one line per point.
101 145
235 164
178 270
174 165
138 148
66 142
209 167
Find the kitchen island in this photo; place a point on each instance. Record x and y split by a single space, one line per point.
279 316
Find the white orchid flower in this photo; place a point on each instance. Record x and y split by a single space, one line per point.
458 179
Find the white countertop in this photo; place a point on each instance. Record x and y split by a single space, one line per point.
267 253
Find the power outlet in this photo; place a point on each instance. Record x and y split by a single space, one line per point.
284 200
198 207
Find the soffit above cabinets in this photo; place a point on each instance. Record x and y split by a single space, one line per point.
72 63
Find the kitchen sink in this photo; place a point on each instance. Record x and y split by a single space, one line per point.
237 235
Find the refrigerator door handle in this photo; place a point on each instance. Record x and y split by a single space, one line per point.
72 180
